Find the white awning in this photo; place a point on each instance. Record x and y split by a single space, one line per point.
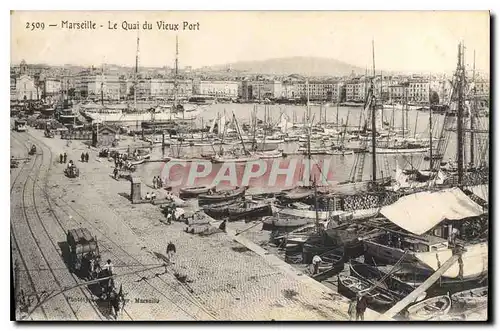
420 212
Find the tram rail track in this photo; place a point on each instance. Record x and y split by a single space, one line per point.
125 258
36 216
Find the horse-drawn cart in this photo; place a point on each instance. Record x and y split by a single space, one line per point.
72 172
83 250
49 133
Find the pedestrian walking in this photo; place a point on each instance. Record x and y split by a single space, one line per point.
160 182
82 157
154 182
361 304
170 251
65 157
61 159
87 157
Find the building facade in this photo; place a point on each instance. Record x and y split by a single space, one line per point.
396 93
356 89
418 90
52 86
165 88
226 89
107 86
26 89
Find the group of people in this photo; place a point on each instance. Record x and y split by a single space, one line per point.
84 157
63 158
169 211
94 267
157 182
151 196
121 161
71 165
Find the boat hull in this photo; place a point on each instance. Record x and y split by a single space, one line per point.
379 301
227 196
250 213
430 308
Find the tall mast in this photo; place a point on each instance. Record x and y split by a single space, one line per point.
374 129
373 57
176 73
102 84
430 125
405 101
460 110
473 111
337 116
308 108
136 74
176 68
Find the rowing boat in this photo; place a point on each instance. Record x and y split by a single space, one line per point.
222 196
470 299
430 308
193 191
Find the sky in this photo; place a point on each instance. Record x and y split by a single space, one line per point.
404 41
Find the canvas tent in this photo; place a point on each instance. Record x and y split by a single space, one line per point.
418 213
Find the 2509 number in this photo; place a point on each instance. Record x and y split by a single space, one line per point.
35 26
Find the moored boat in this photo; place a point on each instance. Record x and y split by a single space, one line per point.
372 275
222 196
378 298
252 212
430 308
470 299
235 159
193 191
272 222
219 211
333 263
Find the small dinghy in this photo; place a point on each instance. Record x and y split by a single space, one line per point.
272 222
332 264
252 212
222 196
378 299
470 299
221 210
193 191
430 308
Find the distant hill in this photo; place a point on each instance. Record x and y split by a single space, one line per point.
308 66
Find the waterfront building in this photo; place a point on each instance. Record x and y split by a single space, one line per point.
26 88
165 88
396 93
320 90
418 90
52 86
356 89
261 89
224 89
290 90
13 90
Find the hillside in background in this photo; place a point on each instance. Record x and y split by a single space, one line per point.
307 66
